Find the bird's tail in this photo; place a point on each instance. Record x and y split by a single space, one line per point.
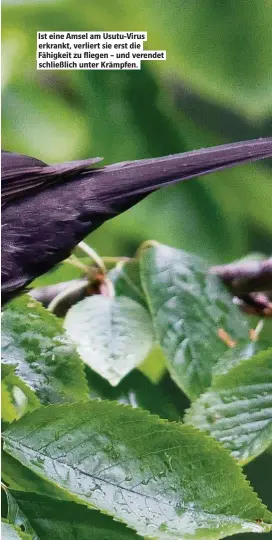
124 184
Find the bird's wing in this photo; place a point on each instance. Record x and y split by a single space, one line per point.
22 175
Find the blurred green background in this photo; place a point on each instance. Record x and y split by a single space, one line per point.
215 87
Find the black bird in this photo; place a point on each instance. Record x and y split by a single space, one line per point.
48 209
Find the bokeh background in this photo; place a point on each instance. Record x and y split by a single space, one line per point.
214 87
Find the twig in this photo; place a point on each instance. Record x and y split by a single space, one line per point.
46 295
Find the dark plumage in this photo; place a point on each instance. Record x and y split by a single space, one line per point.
48 209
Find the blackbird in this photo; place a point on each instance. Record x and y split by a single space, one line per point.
48 209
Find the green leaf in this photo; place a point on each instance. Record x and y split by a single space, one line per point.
51 518
11 532
157 477
188 306
237 409
8 411
18 477
23 398
33 341
113 335
127 281
154 365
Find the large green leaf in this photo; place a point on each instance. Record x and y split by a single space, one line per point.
61 520
188 306
113 335
237 409
34 342
158 477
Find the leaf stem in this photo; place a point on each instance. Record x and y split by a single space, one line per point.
74 261
256 332
93 255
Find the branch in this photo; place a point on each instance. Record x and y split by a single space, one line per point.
46 295
249 282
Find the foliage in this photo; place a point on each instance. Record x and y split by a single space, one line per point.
85 456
